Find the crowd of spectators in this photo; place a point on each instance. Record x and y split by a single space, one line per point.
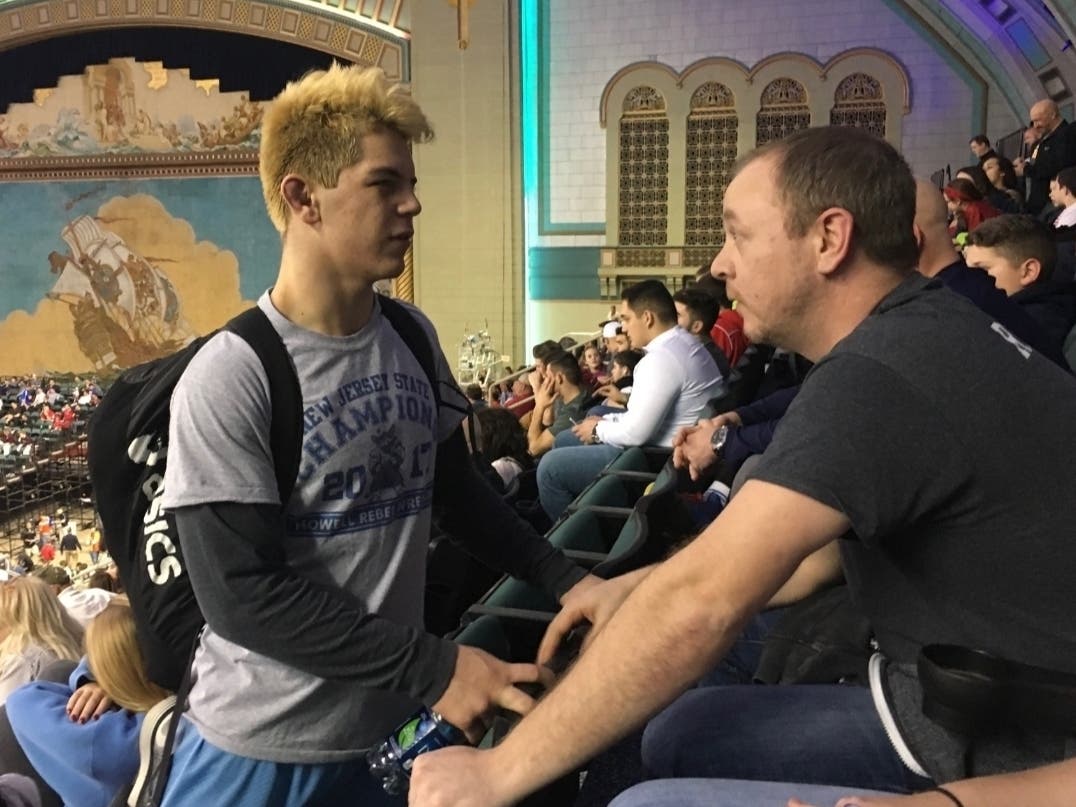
35 411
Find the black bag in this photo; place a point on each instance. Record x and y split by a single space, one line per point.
128 445
824 639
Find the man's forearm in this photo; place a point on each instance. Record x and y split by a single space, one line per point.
536 431
1049 786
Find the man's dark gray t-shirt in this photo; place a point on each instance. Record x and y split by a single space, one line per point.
947 443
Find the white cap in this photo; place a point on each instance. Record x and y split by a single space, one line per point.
610 329
85 603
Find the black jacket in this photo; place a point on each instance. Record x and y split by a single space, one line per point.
1052 305
1055 151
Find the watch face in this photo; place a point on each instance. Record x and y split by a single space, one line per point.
717 442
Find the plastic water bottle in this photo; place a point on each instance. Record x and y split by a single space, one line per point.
391 761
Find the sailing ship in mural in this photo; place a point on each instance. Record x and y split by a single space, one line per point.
125 309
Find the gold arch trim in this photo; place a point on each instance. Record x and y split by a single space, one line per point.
352 35
824 71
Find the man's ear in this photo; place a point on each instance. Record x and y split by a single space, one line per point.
1030 271
917 234
299 197
696 327
647 317
833 238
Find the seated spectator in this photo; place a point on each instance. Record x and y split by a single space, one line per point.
967 205
727 332
622 378
696 313
521 398
504 443
37 632
82 737
560 402
999 199
673 384
1002 177
595 372
1019 253
475 396
542 353
1062 194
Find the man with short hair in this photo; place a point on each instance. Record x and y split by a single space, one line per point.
1063 194
1019 253
696 313
314 647
70 547
672 385
1053 147
941 531
981 148
559 403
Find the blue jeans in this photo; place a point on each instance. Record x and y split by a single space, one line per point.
818 734
204 774
730 793
563 473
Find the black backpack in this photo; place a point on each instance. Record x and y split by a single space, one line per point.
127 454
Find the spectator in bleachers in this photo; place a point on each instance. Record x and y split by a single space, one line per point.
475 396
942 534
36 631
981 148
560 401
727 332
672 386
618 390
998 199
1003 179
82 737
1019 253
520 401
595 371
541 354
1063 195
48 550
1052 141
968 207
504 443
696 313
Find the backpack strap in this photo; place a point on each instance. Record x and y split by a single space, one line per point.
415 338
285 397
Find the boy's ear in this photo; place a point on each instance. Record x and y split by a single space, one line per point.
300 199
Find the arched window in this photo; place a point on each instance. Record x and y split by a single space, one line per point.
859 101
712 130
783 110
644 171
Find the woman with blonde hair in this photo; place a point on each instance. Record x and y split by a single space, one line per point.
82 738
35 631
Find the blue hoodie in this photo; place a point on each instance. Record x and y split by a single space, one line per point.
86 764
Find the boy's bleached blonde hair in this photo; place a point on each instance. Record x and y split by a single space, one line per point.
31 614
116 660
315 126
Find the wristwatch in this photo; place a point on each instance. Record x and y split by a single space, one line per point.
718 439
594 438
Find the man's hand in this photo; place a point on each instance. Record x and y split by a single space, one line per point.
457 777
576 591
483 683
544 395
584 430
1018 166
88 701
535 379
612 394
692 448
595 604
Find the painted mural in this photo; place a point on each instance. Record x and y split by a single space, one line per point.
126 107
98 275
101 275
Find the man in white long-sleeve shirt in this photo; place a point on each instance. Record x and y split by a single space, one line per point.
672 385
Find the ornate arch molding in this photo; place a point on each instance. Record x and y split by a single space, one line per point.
370 32
700 144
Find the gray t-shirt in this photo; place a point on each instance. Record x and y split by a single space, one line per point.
358 519
947 445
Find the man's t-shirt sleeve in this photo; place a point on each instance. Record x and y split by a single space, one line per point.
235 422
864 441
